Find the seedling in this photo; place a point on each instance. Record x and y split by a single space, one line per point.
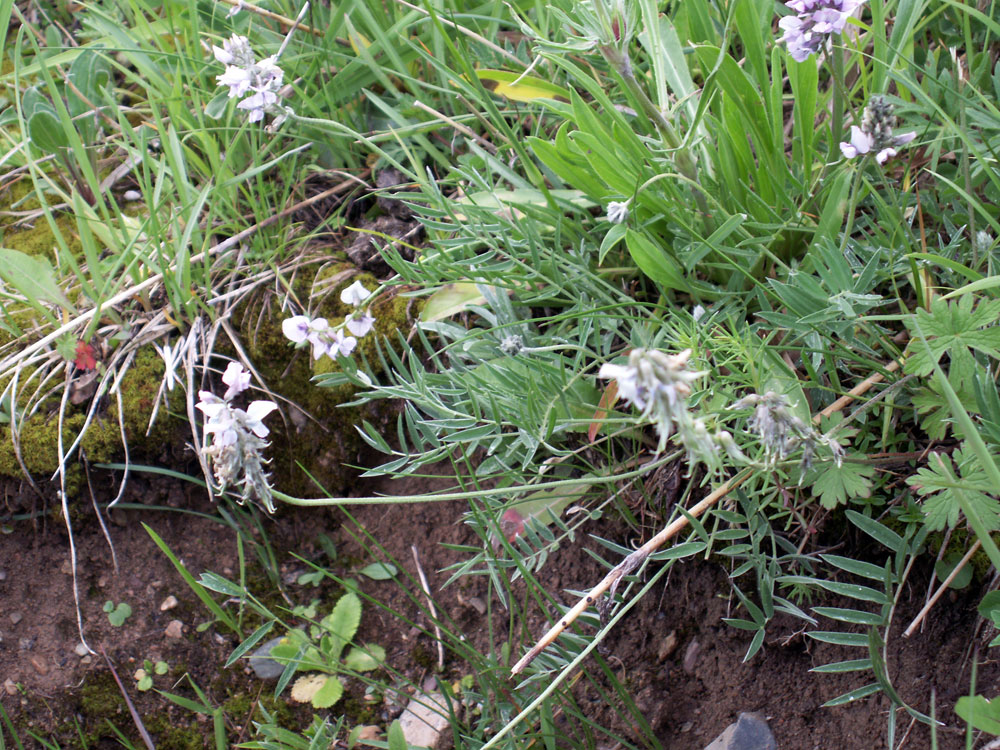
117 615
320 650
144 675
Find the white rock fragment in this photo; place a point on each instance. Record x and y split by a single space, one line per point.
425 718
169 603
175 629
80 650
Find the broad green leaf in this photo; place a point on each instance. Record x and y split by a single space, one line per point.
452 299
397 740
655 261
343 623
943 568
379 571
33 276
521 88
981 713
365 660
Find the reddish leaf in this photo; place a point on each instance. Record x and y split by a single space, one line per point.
608 400
85 359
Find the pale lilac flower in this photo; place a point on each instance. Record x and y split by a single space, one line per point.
659 385
875 134
235 51
237 438
618 211
259 82
255 413
355 294
237 79
341 344
360 326
781 431
814 22
296 328
237 378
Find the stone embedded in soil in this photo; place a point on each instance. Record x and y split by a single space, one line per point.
80 650
263 666
15 618
175 629
369 732
26 644
169 603
667 646
39 664
10 687
691 654
749 732
425 718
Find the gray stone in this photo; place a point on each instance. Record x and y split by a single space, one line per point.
424 720
749 732
265 667
15 618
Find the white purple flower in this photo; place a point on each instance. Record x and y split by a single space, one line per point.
618 211
875 134
237 438
355 294
814 22
659 385
259 82
360 326
237 378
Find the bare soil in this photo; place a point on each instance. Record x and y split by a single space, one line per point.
682 664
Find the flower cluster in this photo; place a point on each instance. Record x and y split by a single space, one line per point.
332 341
813 23
875 134
659 385
781 432
237 438
259 81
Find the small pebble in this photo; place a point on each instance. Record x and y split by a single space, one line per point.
265 667
87 659
39 664
3 575
175 629
369 732
16 617
169 603
691 654
80 650
667 646
10 687
132 195
26 644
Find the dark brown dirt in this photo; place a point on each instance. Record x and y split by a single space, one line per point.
688 694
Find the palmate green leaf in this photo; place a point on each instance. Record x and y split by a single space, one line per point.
947 481
950 326
835 485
